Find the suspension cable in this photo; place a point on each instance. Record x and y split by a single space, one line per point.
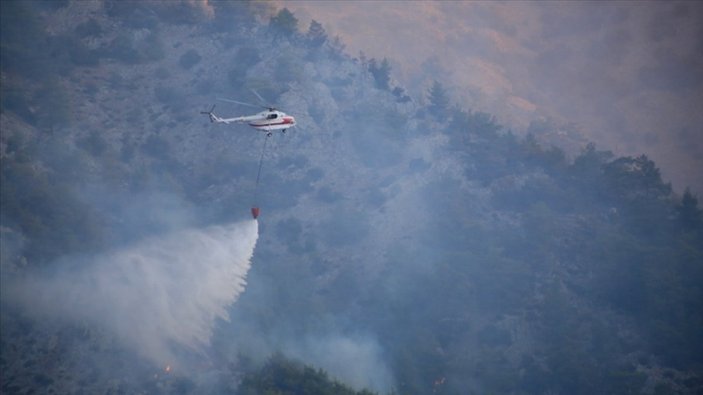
258 174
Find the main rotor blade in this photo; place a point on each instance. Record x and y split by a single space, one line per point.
261 99
240 102
208 112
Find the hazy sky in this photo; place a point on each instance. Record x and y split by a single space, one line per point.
629 75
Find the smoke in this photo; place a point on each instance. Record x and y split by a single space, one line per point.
523 61
355 360
159 296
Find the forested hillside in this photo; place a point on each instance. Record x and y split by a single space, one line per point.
408 245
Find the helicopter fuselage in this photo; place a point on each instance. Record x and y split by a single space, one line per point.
271 120
265 121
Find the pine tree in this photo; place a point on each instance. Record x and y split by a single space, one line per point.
439 100
316 35
690 215
381 73
284 23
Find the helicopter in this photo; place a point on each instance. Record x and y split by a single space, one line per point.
266 121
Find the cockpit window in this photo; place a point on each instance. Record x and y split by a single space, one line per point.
272 116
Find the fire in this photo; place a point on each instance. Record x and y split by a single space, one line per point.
167 369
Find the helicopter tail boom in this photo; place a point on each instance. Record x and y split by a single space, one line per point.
215 119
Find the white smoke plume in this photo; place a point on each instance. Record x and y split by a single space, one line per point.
158 296
354 360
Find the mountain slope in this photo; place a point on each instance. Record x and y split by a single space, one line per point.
404 245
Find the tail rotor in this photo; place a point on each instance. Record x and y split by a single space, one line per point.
210 113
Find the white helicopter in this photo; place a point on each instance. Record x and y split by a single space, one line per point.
265 121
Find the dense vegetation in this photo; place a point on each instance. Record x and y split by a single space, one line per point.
280 376
478 259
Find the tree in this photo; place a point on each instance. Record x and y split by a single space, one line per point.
336 48
636 178
316 35
381 73
587 169
284 376
636 186
465 124
439 100
284 23
690 215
